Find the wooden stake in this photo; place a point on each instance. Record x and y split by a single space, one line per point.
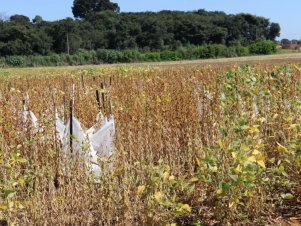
83 83
98 100
64 101
110 108
103 96
55 132
57 162
24 103
71 125
9 86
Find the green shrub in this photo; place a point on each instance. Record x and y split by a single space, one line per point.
86 57
109 56
15 61
263 47
55 59
169 55
2 62
152 56
131 56
242 51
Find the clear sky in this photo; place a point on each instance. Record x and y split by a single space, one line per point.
286 13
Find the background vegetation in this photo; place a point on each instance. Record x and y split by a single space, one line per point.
100 25
110 56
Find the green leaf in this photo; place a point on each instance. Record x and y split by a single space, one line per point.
166 203
9 194
225 186
287 196
191 188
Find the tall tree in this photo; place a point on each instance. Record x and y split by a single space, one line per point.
20 19
84 8
274 31
37 19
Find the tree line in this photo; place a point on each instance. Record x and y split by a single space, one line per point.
286 41
99 24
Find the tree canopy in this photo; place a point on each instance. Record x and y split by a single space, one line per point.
101 26
84 8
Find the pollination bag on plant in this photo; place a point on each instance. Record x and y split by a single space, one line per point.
60 127
93 163
102 140
81 144
29 117
100 121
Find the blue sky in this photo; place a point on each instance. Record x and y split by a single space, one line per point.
286 13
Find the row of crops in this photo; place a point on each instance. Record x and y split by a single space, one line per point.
191 146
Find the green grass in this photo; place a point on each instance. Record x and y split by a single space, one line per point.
285 51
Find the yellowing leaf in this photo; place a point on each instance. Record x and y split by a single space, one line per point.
231 204
220 143
281 148
19 205
219 191
234 155
59 198
198 161
3 206
293 126
261 163
194 179
186 207
213 168
165 175
171 178
256 152
158 196
21 181
245 148
253 130
140 189
252 159
238 168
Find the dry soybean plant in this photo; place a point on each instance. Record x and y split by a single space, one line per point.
193 146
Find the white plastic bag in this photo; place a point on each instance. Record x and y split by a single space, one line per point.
100 121
81 145
29 117
60 127
102 140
